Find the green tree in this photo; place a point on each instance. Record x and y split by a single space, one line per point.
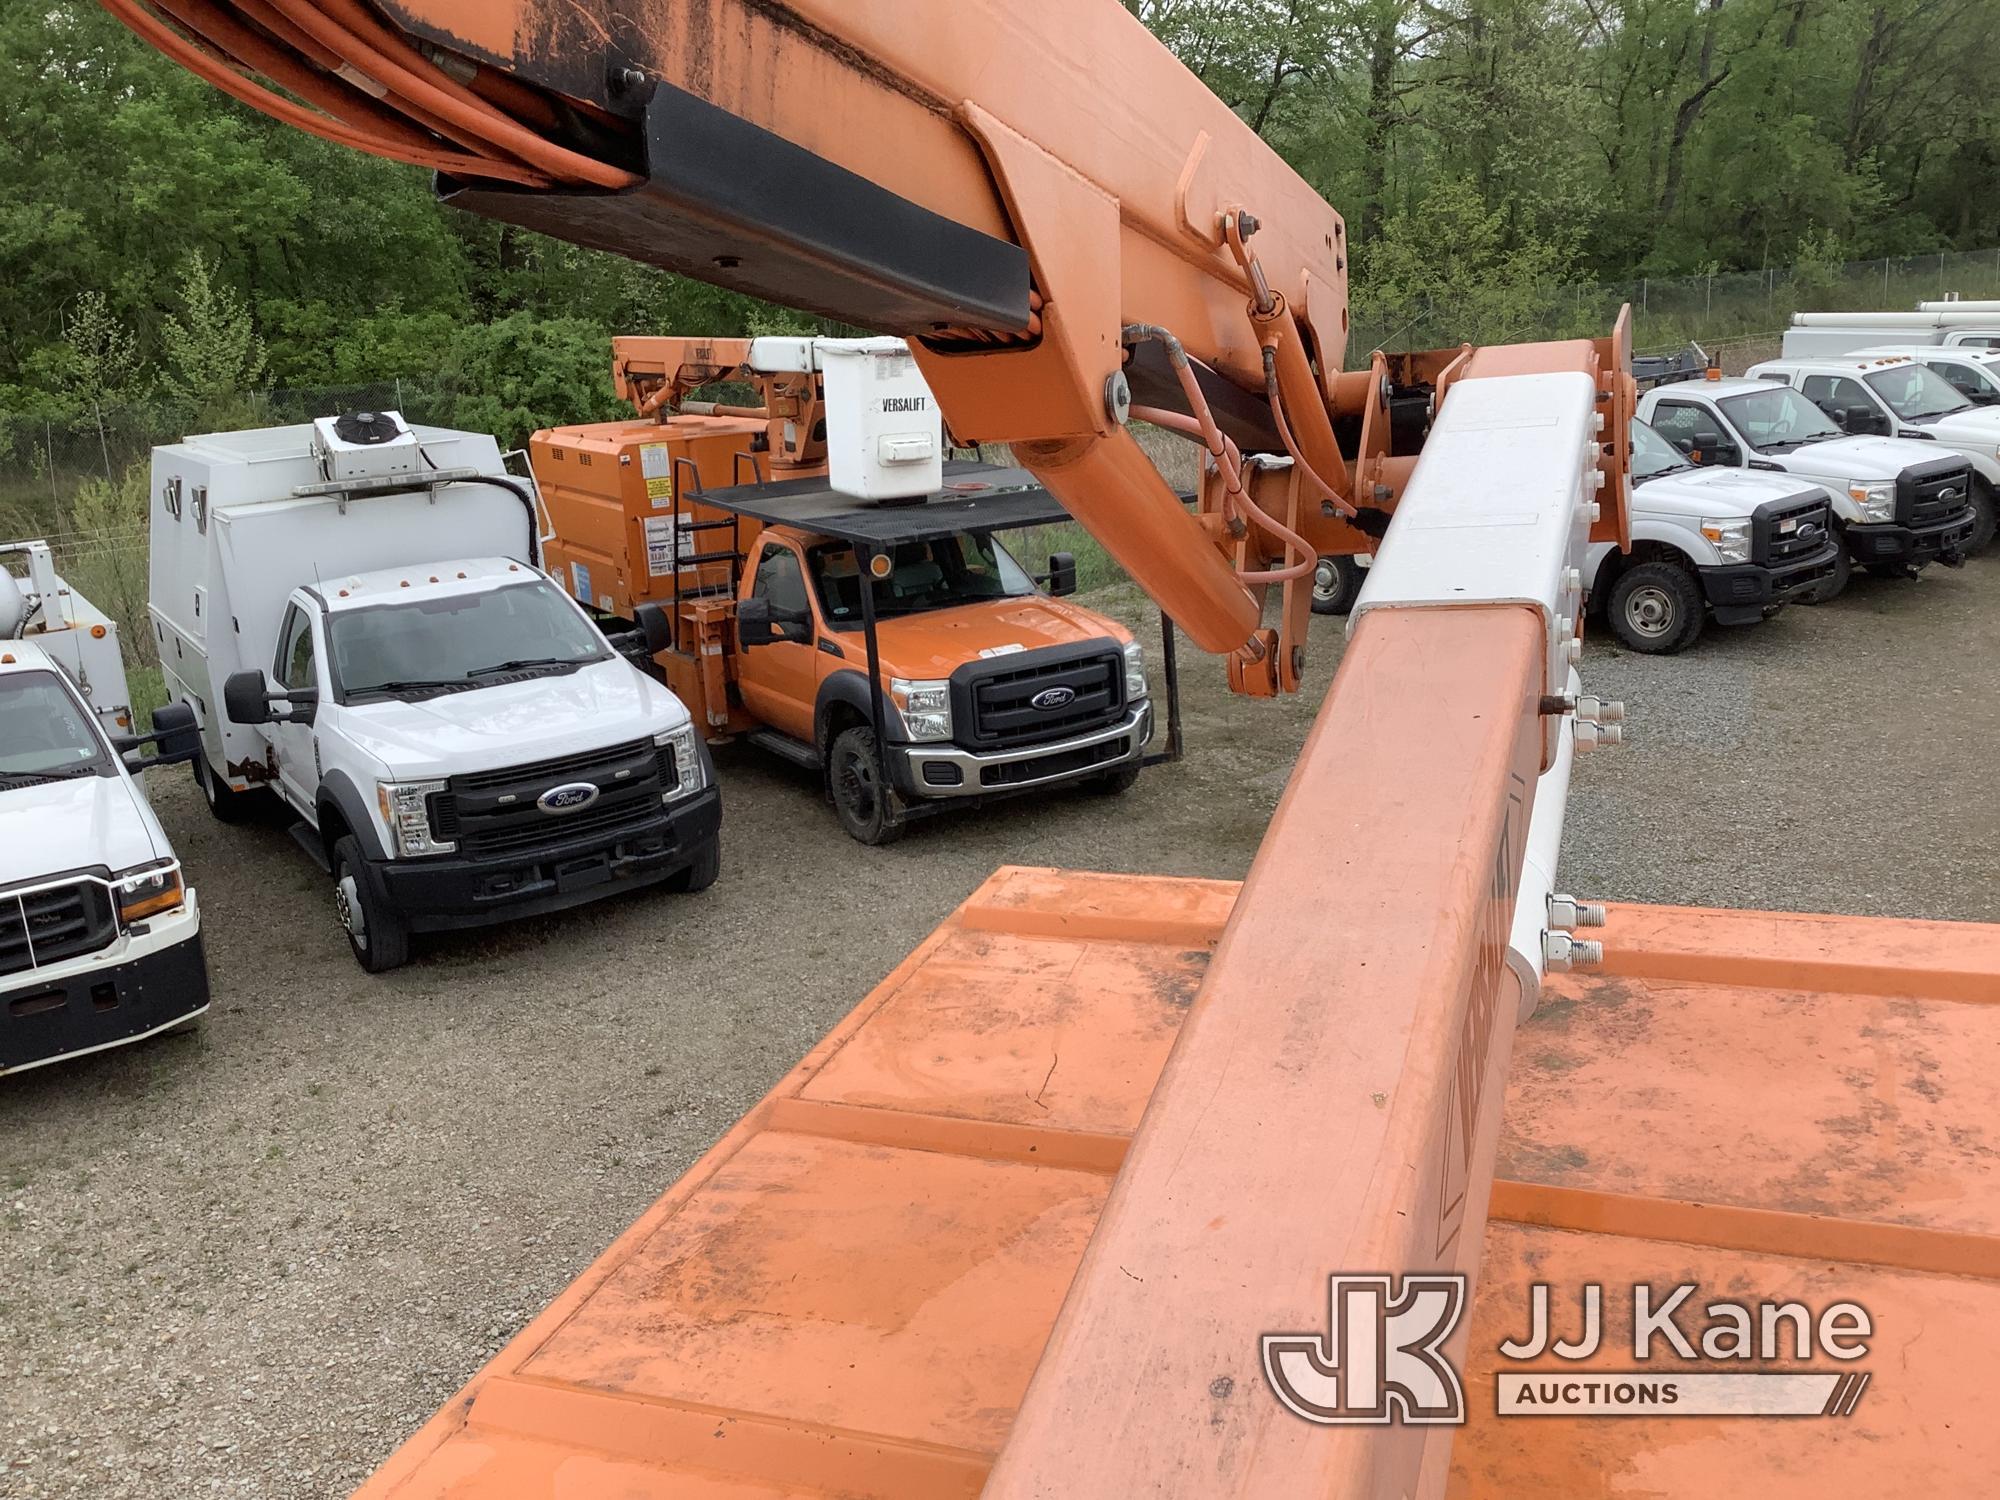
214 363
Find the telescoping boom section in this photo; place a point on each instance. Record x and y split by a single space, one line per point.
1054 1212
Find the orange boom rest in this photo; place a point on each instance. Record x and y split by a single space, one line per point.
850 1293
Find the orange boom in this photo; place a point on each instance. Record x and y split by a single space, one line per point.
1030 1223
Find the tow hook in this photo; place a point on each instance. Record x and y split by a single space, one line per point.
1951 557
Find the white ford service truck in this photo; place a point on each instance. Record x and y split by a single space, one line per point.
1727 543
354 611
1897 396
100 935
1899 504
1706 543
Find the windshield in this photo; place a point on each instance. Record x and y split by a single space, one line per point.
1778 418
1916 392
43 732
460 641
1653 455
960 569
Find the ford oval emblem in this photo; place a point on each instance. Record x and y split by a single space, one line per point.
568 799
1048 700
1950 494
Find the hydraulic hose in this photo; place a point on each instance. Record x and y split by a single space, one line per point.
364 85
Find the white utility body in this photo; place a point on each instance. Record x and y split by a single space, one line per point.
100 937
1899 503
1898 394
1957 325
353 609
36 604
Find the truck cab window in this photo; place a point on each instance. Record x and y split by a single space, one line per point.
459 642
1686 425
1836 394
782 581
1975 382
938 573
43 733
295 651
1778 419
1916 393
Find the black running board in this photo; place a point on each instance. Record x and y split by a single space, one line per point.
798 752
307 838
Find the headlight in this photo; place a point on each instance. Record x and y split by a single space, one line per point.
926 708
148 893
1731 539
1135 672
406 809
1877 501
690 775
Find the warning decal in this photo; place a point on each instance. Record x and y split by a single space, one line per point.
658 469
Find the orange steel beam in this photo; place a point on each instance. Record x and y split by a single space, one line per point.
1765 1231
1332 1103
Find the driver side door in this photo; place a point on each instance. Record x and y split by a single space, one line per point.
297 668
780 680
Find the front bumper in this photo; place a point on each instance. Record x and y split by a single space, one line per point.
143 984
1892 542
439 895
939 772
1739 593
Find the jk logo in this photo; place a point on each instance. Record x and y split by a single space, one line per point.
1381 1359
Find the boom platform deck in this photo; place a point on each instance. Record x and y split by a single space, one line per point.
848 1294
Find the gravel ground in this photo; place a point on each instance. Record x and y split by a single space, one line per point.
250 1262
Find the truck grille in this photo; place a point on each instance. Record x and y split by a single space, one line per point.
497 814
1931 496
1003 707
1790 531
48 926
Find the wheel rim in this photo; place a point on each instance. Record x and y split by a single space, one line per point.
1326 580
860 791
347 909
1650 611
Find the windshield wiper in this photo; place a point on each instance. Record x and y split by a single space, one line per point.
31 778
526 664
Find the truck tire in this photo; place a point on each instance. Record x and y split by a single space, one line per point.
703 873
861 795
1336 582
1116 783
1836 581
1985 513
376 935
224 801
1657 608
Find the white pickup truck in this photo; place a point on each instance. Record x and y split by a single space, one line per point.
1898 396
1725 543
354 611
100 935
1899 504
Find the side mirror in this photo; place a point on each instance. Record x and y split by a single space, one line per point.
753 623
1711 448
1062 574
174 732
1861 419
655 628
246 701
